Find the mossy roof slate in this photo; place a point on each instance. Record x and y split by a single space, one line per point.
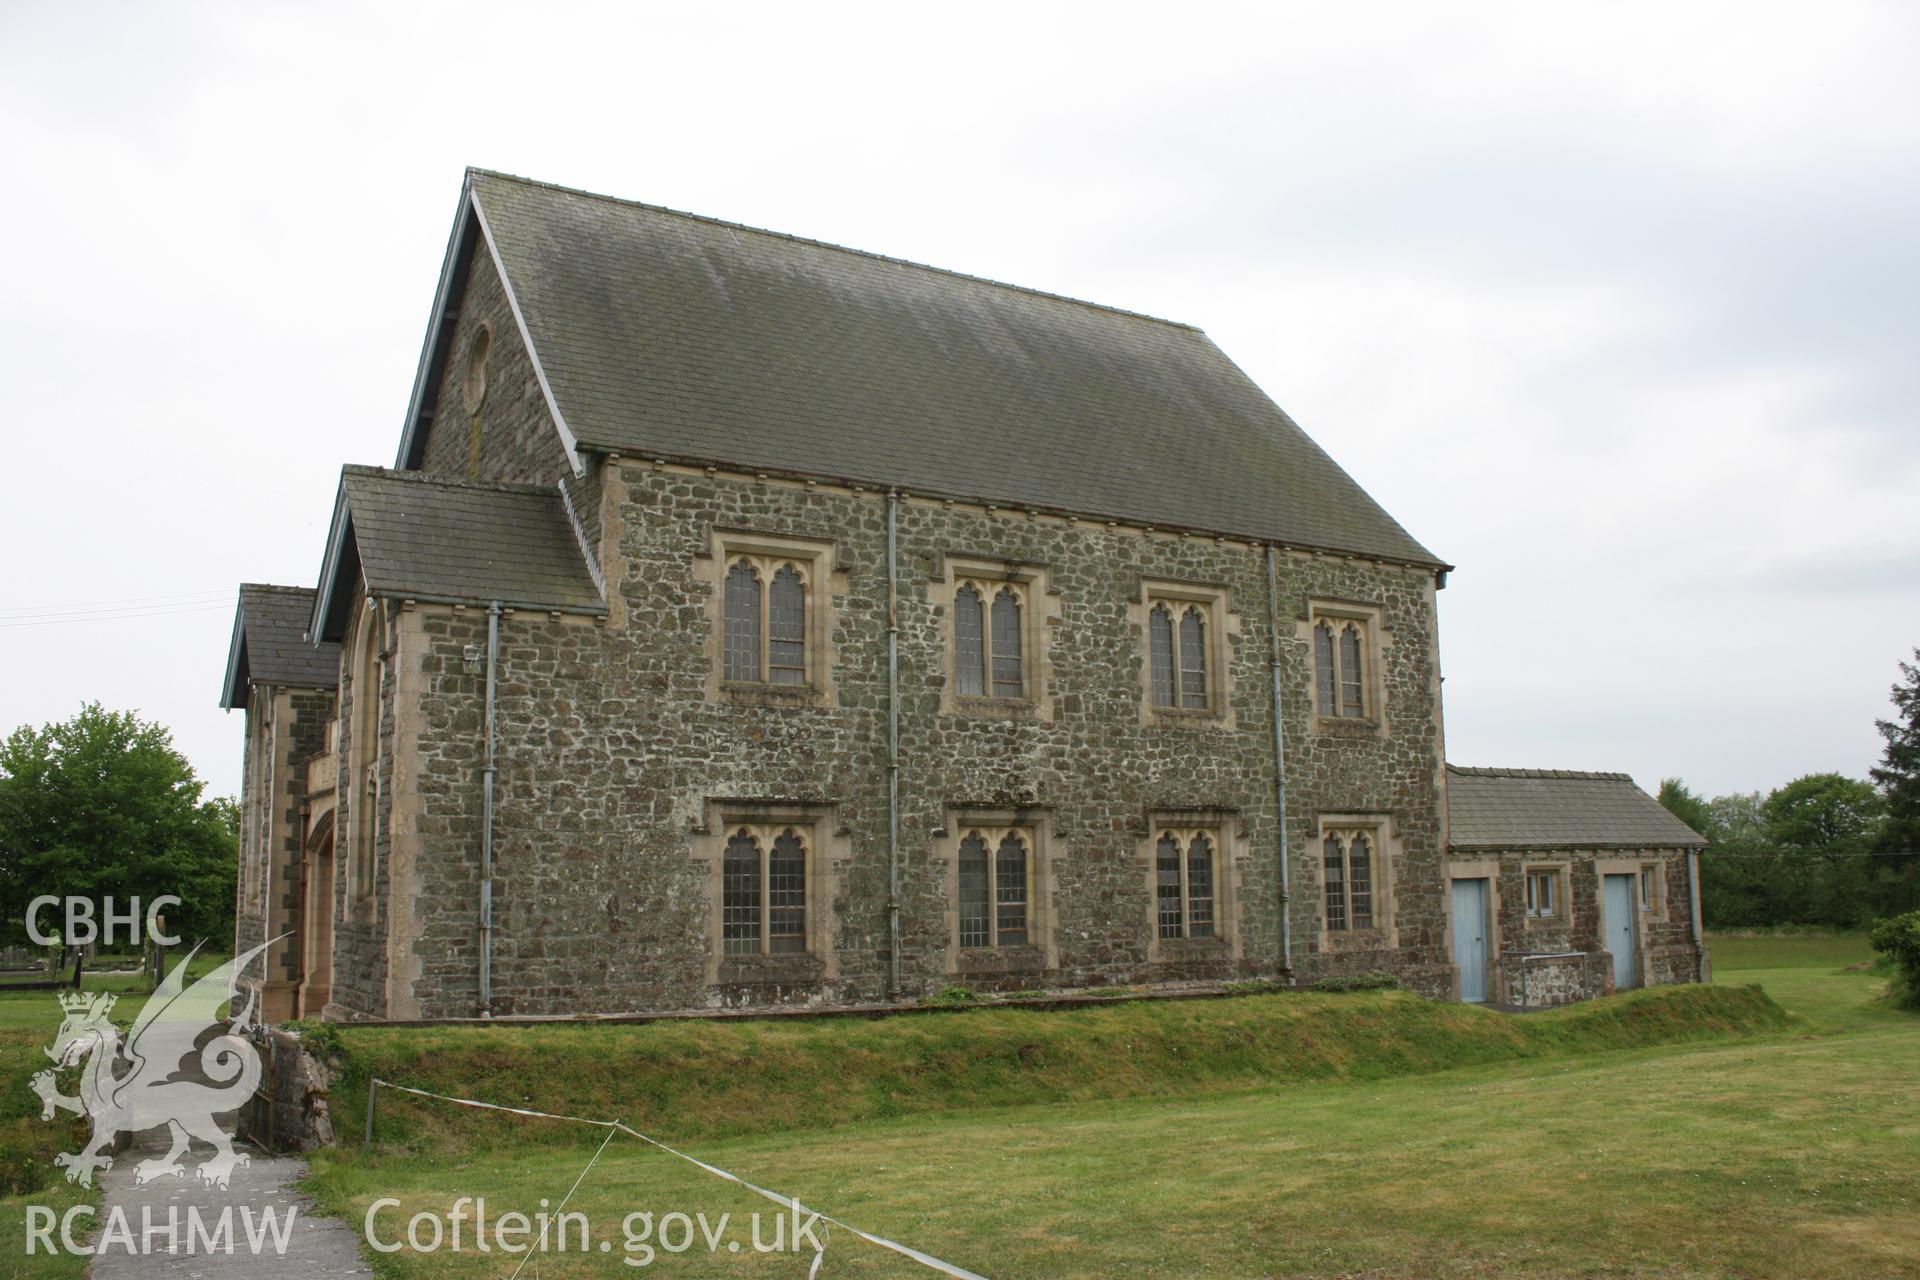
434 538
270 645
1557 809
665 334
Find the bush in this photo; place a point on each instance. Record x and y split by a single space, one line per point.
1899 939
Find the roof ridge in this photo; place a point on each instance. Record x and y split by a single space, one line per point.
1480 771
275 586
837 248
448 482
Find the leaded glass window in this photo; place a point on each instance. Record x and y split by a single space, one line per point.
765 622
1184 876
1200 888
996 888
1350 862
1193 660
787 628
743 622
1325 672
1166 860
1008 678
1010 891
1351 702
1360 881
1340 686
969 643
1160 655
787 894
740 895
763 891
1335 863
976 925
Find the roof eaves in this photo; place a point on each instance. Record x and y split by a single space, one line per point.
869 484
447 295
329 606
231 694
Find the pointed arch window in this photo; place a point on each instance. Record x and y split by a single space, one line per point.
969 642
996 888
764 890
1348 866
1185 868
765 621
1341 650
1160 654
1009 679
365 713
1177 656
989 640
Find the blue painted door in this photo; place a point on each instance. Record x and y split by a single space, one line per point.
1622 939
1470 938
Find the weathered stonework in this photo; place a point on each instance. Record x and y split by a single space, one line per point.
285 729
1541 963
612 751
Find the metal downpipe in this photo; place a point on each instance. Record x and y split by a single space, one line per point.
893 745
1703 967
486 821
1280 771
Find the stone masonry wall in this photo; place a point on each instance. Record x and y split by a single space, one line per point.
613 753
285 727
1667 951
508 436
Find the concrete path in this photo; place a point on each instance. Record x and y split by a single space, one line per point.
316 1248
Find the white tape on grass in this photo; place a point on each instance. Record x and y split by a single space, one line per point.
787 1202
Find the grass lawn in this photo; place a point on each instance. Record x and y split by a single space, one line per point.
1795 1153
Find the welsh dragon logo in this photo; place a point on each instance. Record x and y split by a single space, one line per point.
168 1072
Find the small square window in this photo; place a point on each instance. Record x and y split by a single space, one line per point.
1544 893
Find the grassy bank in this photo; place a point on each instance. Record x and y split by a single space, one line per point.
699 1080
1605 1140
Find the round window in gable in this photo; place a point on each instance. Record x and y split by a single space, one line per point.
473 383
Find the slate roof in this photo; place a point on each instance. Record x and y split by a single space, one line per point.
270 644
432 538
663 334
1557 809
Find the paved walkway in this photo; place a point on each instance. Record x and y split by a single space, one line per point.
316 1248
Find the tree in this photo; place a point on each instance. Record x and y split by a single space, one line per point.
103 805
1895 883
1686 806
1824 825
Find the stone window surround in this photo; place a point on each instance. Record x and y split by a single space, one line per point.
1229 835
1222 623
369 659
1037 826
829 847
1384 934
1562 872
1653 892
821 578
1375 641
1040 612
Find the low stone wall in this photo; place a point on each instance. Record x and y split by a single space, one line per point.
289 1111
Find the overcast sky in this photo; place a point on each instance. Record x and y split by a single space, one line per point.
1614 306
